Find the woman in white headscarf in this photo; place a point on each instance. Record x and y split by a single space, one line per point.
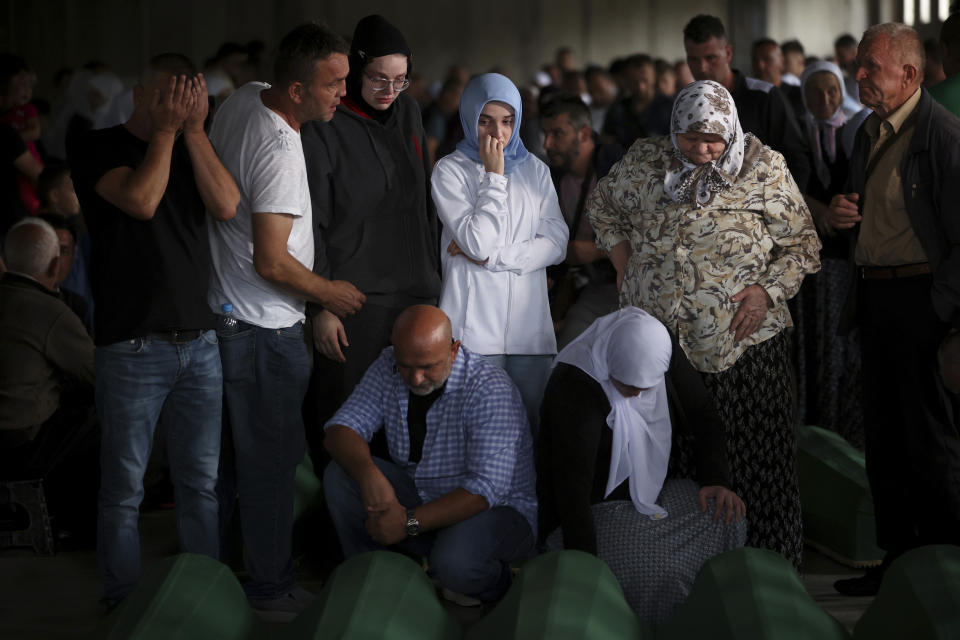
710 234
612 401
88 94
828 129
828 365
502 227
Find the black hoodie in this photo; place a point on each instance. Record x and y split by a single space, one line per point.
375 223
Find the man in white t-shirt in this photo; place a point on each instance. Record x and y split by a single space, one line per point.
263 262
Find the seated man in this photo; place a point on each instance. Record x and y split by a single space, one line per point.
46 378
460 486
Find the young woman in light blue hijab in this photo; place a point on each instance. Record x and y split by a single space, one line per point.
502 227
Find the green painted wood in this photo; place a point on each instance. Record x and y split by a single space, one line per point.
748 594
307 489
562 595
374 595
919 598
188 596
835 497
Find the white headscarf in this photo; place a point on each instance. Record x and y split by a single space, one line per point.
822 134
634 348
704 106
87 95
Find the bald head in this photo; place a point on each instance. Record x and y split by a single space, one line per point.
422 325
32 248
423 348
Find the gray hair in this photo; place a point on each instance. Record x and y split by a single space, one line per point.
30 247
904 40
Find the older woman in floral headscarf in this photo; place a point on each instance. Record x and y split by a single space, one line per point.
710 234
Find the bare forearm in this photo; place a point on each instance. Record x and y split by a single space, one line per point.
350 451
286 272
273 262
217 187
449 509
144 187
620 255
28 166
32 130
583 252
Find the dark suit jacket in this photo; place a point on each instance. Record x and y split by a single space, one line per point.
763 111
930 171
41 340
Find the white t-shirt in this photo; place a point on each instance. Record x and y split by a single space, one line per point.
265 157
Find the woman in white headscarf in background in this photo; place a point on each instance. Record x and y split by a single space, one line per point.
828 365
90 91
502 228
604 446
709 233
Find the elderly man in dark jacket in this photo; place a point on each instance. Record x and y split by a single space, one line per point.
46 379
901 205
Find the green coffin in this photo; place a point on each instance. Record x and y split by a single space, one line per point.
188 596
918 600
379 594
561 595
835 496
750 593
307 489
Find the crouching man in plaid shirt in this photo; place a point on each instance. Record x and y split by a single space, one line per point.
459 487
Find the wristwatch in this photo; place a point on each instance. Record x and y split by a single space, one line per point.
413 525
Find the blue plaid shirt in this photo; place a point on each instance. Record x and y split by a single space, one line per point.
477 435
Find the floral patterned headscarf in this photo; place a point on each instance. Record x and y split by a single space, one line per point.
704 106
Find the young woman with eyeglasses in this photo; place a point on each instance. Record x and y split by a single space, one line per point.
376 226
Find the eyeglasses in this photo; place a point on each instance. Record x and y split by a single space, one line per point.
379 83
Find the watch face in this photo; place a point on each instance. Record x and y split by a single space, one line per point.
413 525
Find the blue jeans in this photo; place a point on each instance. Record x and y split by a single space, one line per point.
265 376
471 557
530 374
136 381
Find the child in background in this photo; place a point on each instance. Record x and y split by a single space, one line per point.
16 89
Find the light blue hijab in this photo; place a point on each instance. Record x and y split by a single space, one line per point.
479 91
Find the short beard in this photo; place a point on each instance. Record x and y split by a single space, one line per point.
425 391
566 163
433 386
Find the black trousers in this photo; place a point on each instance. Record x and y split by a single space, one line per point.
65 454
912 442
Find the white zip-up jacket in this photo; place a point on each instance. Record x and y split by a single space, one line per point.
514 223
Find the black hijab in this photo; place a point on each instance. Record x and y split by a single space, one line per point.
373 37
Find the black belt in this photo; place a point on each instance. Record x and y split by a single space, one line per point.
899 271
177 336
